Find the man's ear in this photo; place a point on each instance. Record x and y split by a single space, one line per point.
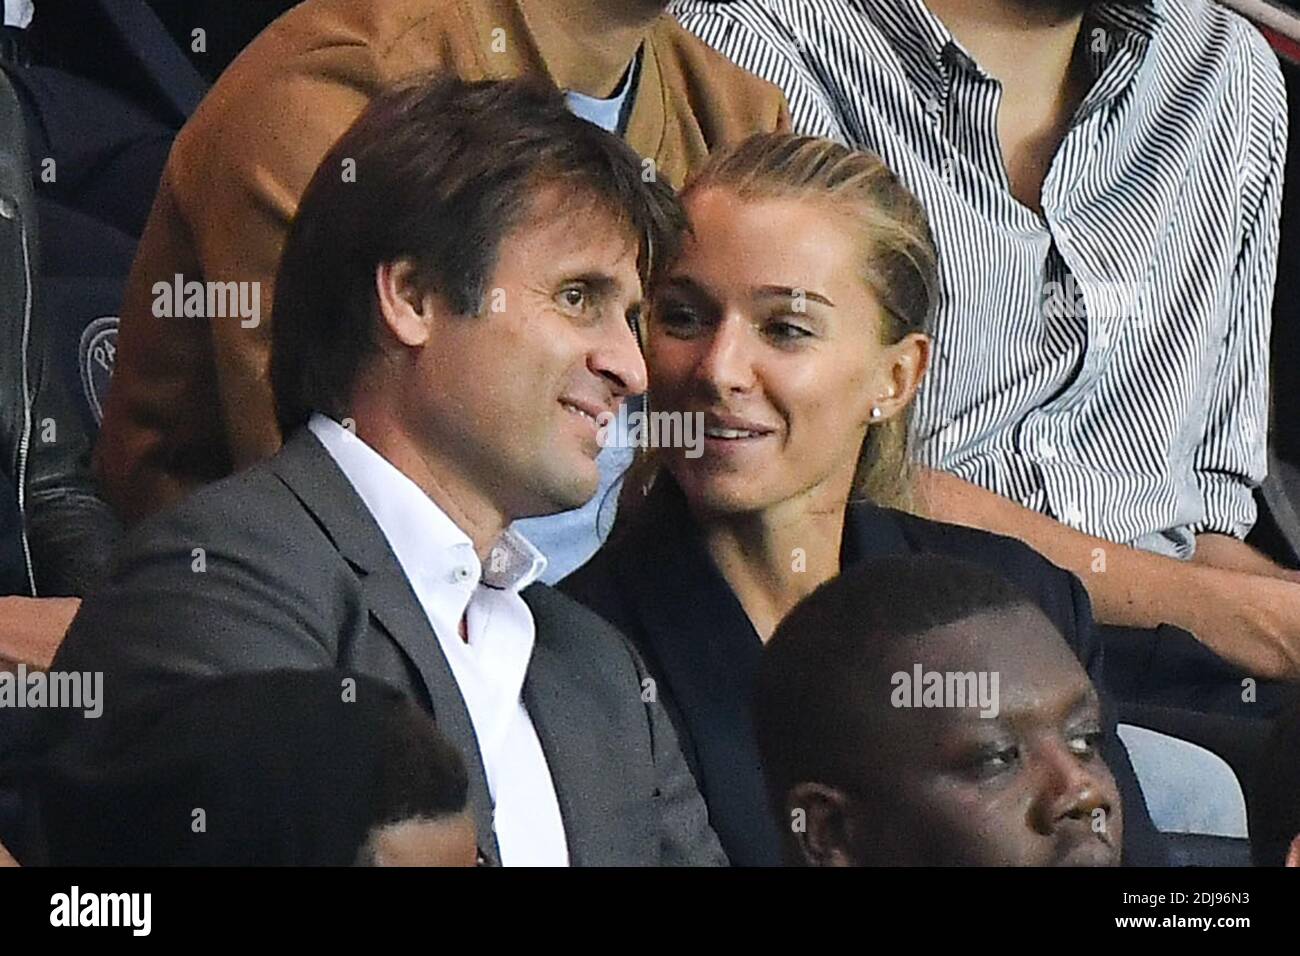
903 366
406 312
1293 852
821 824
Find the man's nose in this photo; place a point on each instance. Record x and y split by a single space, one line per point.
618 360
1069 789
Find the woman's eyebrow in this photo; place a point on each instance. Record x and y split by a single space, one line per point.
786 292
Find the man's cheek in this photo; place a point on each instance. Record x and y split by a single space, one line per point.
991 827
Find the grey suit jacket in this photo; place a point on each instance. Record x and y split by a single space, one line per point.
282 566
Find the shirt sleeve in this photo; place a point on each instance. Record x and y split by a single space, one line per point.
1232 457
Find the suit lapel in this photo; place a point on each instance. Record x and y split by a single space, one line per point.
311 474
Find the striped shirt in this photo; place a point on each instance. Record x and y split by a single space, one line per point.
1105 362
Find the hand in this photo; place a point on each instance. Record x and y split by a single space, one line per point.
1253 622
31 629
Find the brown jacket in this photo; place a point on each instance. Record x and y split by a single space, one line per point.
191 398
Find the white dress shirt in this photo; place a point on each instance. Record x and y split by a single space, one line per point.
448 579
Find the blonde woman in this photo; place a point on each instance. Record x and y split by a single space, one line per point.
796 322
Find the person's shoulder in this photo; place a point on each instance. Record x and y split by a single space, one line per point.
975 544
1053 588
723 25
381 29
1204 39
595 584
313 69
729 88
251 512
565 611
564 620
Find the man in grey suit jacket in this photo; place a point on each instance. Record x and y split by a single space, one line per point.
453 312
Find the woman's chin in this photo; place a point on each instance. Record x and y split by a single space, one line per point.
730 493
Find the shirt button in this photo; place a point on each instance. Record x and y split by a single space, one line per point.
462 574
1048 449
1071 514
1102 339
933 107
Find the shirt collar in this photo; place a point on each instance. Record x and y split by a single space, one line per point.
919 39
609 114
1140 17
423 537
926 48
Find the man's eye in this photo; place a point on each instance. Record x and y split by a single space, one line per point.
1085 744
995 760
574 298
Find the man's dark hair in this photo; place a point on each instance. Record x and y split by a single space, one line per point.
1274 809
438 171
420 774
829 652
290 767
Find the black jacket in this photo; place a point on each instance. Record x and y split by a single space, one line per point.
656 583
47 452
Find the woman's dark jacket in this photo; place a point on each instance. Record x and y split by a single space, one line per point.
655 581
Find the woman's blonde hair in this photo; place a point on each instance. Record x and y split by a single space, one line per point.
897 261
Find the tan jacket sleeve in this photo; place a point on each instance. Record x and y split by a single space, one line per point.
191 411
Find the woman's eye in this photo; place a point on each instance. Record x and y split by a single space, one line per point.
787 331
678 319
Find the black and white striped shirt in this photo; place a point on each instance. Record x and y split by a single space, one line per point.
1105 363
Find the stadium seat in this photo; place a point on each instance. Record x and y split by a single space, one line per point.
1188 789
123 45
80 317
1196 849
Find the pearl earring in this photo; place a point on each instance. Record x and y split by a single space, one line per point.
876 413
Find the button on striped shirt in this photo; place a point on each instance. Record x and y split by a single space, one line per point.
1105 362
